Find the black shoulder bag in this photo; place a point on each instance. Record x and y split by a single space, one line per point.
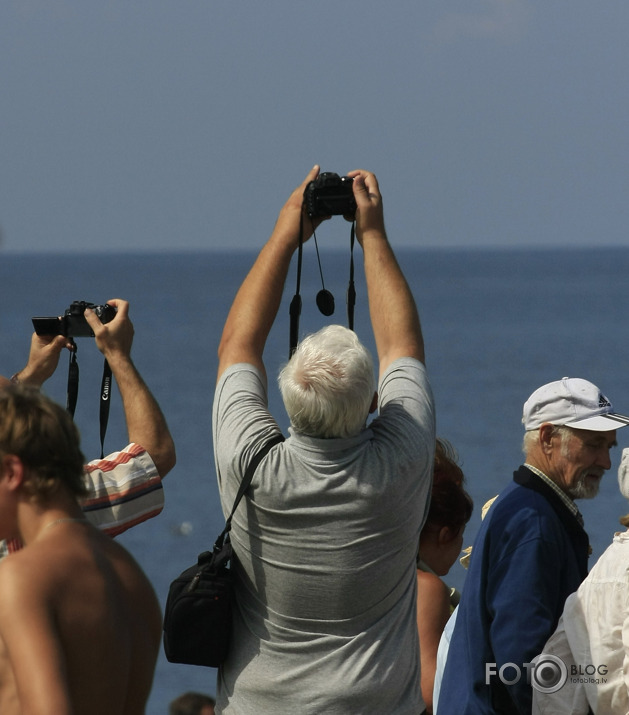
198 615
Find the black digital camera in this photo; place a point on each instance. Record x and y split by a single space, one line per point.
73 324
330 195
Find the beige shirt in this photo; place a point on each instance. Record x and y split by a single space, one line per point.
592 641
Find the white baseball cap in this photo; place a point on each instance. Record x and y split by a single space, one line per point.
571 402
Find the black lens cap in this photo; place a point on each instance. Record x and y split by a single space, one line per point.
325 302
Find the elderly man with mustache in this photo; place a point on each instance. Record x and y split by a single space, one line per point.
531 552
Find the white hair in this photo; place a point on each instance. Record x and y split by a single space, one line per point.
531 438
579 488
328 384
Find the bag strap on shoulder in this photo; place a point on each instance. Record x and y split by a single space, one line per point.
244 484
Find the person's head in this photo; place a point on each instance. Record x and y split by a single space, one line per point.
192 704
328 385
570 428
43 437
451 507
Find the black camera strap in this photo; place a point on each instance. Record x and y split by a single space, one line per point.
105 393
73 379
295 305
351 291
244 485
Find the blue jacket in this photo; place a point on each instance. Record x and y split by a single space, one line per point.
528 557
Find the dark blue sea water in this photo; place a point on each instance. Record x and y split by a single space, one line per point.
497 325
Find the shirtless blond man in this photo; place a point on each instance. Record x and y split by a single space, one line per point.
79 620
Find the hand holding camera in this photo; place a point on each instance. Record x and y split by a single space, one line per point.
43 359
113 332
72 323
114 337
369 211
53 334
330 195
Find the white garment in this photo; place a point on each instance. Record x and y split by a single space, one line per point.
592 639
442 656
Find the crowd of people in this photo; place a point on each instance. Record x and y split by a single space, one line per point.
342 541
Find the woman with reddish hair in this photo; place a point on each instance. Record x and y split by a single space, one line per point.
440 545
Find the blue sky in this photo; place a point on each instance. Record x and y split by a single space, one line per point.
185 125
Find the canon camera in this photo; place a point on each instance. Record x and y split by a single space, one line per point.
330 195
72 323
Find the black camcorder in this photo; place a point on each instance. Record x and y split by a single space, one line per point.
330 195
72 323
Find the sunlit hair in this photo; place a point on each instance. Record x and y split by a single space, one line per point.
44 437
328 384
531 438
450 504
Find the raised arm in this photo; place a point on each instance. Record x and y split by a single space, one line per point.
255 306
146 424
394 316
43 359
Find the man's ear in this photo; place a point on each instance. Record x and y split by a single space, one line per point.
12 470
374 403
546 436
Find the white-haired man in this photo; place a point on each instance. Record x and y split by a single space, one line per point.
531 552
327 537
587 657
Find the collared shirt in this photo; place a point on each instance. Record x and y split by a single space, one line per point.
570 504
124 490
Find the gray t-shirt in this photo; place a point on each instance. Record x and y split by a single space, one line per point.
326 541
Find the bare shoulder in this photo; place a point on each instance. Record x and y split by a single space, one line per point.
77 560
433 597
105 563
72 589
431 584
19 578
